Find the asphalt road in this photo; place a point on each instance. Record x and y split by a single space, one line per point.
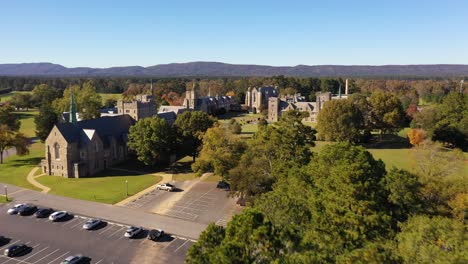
51 242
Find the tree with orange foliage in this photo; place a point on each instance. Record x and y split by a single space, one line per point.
416 136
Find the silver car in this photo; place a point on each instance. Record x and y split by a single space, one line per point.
91 223
73 259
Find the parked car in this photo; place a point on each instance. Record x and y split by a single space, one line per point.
15 250
58 215
74 259
223 185
155 234
91 223
133 231
43 212
27 209
4 240
165 187
15 209
241 201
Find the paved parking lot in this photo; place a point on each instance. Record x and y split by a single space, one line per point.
194 200
51 242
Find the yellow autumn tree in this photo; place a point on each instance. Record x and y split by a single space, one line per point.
416 136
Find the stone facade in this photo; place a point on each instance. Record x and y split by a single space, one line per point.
209 104
276 105
143 106
257 99
87 147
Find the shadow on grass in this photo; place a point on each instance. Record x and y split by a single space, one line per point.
24 162
388 142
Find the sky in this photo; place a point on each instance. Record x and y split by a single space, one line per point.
102 33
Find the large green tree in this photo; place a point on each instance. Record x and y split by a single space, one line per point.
88 101
22 100
9 118
386 112
44 93
45 121
340 120
220 152
191 126
152 139
10 138
425 239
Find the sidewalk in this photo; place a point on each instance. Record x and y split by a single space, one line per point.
32 180
107 212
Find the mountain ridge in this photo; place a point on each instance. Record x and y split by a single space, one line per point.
205 69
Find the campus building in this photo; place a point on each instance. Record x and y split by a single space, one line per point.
209 104
256 99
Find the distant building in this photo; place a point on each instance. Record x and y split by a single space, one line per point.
209 104
143 106
277 106
256 99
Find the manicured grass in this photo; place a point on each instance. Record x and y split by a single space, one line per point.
108 187
106 96
28 127
15 169
4 200
6 97
212 178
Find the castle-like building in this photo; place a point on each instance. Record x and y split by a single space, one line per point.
209 104
256 99
278 105
143 106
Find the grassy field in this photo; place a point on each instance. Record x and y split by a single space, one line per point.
3 199
107 187
6 97
15 169
27 122
106 96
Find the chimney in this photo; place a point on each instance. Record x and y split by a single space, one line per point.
346 87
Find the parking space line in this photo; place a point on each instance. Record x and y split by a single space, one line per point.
70 221
17 260
61 256
99 261
181 246
79 223
118 230
46 256
9 244
169 243
106 229
35 253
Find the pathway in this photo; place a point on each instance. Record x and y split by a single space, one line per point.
32 180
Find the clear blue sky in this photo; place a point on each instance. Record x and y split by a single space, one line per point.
102 33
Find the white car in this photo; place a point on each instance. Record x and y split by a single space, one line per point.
73 259
133 231
91 223
15 209
166 187
58 215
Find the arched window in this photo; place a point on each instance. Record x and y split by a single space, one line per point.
57 151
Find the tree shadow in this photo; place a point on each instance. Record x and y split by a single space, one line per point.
388 141
25 162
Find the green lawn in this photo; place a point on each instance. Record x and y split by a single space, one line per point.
15 169
4 200
6 97
106 96
184 176
107 187
28 127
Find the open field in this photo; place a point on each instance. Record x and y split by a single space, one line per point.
15 169
3 199
7 96
106 96
108 186
28 127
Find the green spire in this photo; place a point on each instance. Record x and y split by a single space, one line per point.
72 118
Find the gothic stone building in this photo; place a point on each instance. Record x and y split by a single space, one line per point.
82 149
256 99
277 106
143 106
209 104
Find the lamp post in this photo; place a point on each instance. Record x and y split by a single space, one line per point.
6 193
126 186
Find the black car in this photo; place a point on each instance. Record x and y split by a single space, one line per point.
4 240
155 234
15 250
223 185
44 212
28 209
